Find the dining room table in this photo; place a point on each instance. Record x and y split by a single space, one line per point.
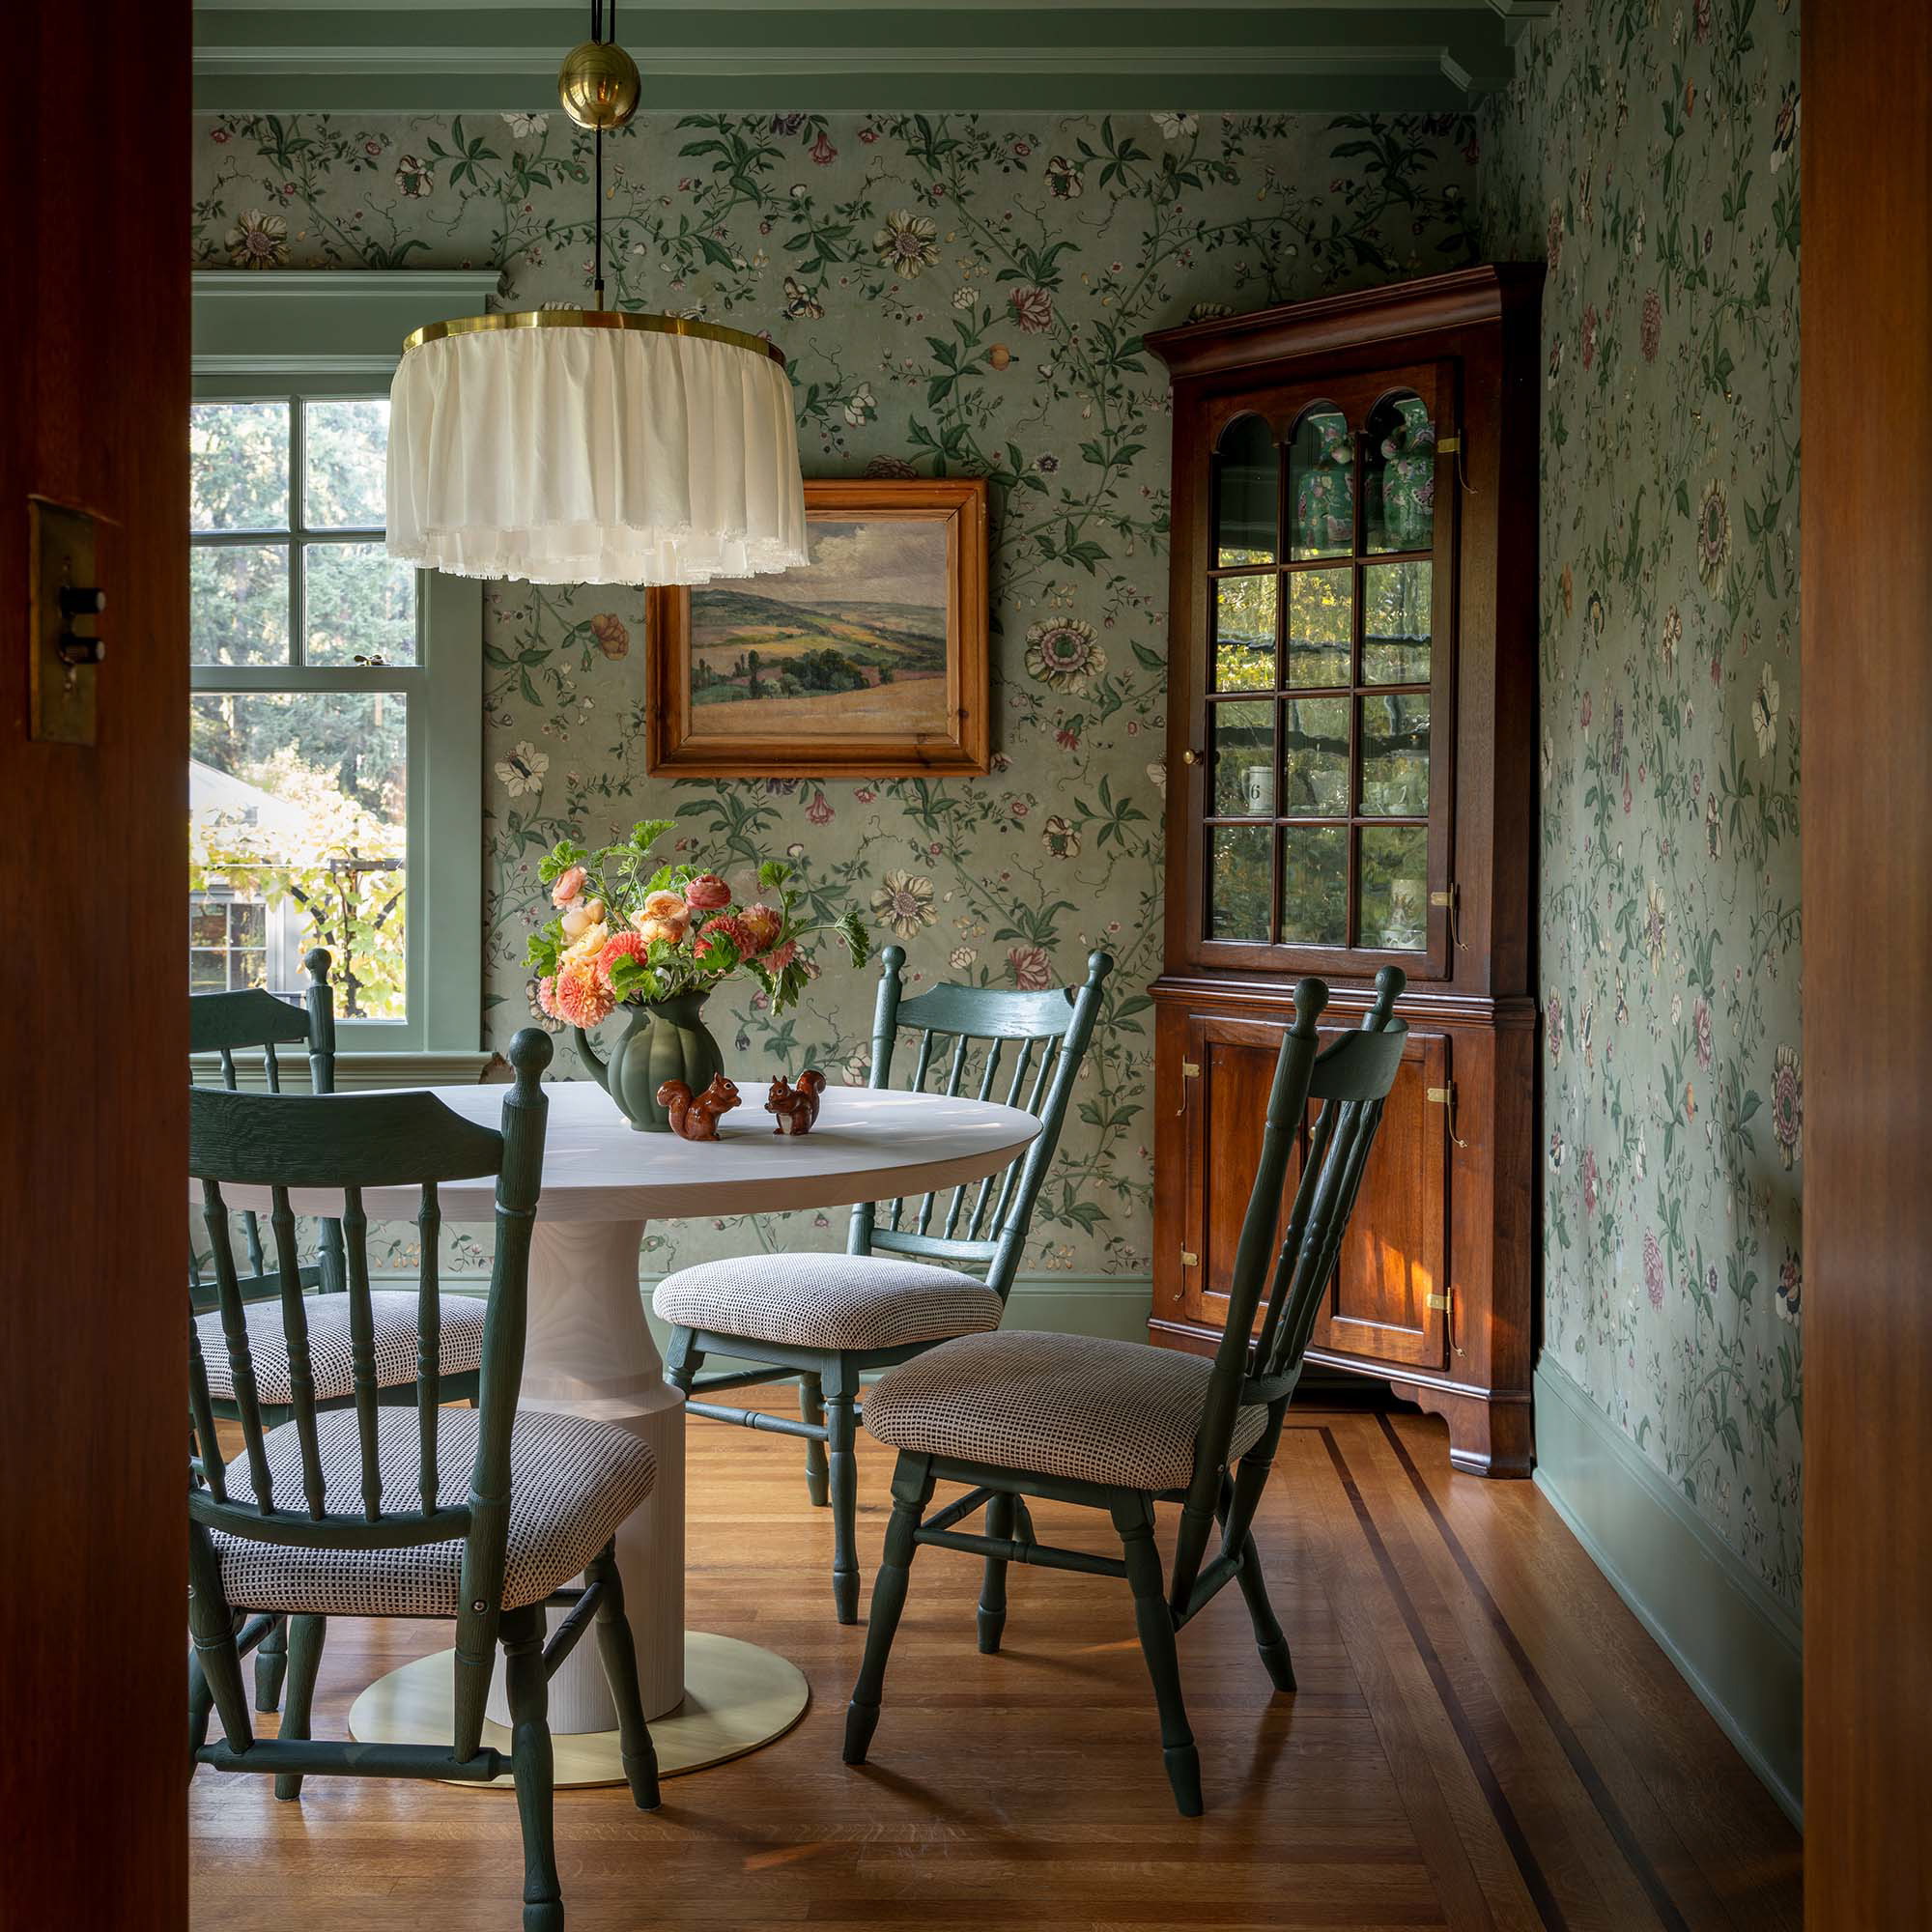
590 1352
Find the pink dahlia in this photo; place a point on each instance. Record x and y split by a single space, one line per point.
762 925
579 997
569 884
547 995
620 946
779 959
727 925
707 892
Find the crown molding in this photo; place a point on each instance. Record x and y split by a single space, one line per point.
866 57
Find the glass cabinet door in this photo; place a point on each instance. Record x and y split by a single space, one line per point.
1326 679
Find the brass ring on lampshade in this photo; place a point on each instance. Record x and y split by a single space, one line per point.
593 318
599 85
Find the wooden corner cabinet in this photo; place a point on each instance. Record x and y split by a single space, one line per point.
1352 784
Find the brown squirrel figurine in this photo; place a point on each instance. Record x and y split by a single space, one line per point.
697 1119
797 1107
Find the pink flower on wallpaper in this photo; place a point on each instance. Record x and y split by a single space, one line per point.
1587 1174
1701 1027
1554 1028
823 152
818 811
1653 1269
1650 330
1031 970
1033 310
1589 334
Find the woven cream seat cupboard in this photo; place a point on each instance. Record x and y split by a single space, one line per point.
906 1281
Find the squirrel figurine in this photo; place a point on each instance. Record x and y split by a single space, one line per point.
797 1107
696 1119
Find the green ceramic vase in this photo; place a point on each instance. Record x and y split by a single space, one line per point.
668 1041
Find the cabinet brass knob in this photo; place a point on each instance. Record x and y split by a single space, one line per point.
1190 758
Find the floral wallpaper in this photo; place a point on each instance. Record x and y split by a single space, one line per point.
1649 151
958 296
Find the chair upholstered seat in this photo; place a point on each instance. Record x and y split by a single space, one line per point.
1083 1406
394 1314
828 1301
572 1482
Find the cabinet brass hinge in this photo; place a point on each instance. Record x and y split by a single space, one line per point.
1450 901
1438 1302
1190 1069
1189 1259
1449 444
1445 1097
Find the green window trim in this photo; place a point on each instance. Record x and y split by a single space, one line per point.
297 337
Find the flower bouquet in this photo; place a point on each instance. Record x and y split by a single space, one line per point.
658 939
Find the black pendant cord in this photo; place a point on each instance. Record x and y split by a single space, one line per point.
597 158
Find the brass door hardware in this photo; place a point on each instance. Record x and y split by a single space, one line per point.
1445 1097
1190 1069
63 591
1452 900
1189 1259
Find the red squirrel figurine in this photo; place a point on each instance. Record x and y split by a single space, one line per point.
797 1107
696 1119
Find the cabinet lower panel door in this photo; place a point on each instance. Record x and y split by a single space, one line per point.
1387 1302
1384 1304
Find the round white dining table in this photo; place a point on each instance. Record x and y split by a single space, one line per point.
589 1352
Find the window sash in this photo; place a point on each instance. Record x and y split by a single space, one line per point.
443 940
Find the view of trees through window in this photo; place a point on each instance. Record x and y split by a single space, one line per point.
299 754
1318 710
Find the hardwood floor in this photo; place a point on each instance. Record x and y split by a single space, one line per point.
1484 1737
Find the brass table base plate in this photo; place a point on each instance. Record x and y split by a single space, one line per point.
736 1698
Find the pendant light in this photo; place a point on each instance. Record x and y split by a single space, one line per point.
570 446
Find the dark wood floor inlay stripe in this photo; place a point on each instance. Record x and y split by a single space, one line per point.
1535 1881
1580 1761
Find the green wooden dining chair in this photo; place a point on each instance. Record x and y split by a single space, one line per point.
1121 1426
223 1025
915 1272
477 1516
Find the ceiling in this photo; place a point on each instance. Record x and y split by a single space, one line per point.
1061 56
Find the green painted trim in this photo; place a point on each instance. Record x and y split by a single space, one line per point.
354 1072
1737 1646
284 323
1374 54
340 333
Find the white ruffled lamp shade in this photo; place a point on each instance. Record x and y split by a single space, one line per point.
588 446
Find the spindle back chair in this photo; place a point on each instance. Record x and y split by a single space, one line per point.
305 1487
1273 1300
224 1024
964 1034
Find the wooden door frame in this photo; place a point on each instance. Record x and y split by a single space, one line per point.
1865 808
94 351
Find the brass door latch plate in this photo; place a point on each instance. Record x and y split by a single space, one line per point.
63 592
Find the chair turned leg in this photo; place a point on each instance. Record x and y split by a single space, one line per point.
1000 1516
271 1662
912 1490
200 1708
213 1628
1268 1637
842 1430
1155 1623
620 1671
811 1412
528 1691
305 1635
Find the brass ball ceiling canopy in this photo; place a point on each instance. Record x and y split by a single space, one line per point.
599 84
567 445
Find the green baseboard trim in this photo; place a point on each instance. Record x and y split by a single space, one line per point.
1736 1645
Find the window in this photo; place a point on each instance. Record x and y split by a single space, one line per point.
336 721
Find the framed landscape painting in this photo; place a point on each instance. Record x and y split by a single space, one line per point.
868 661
